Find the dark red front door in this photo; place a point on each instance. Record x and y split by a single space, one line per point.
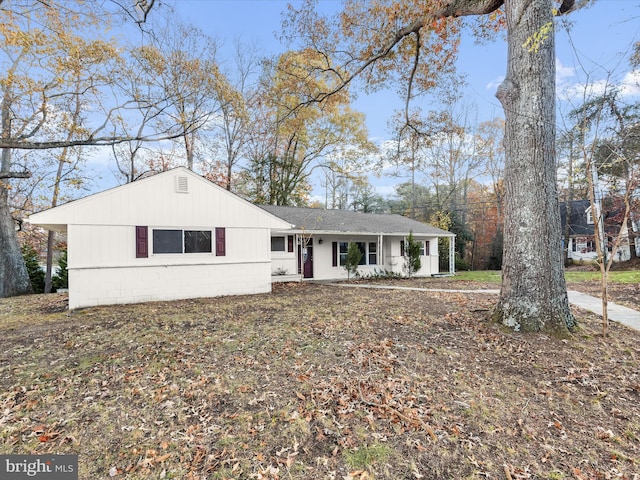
307 261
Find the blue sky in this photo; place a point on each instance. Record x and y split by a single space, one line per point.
602 35
598 45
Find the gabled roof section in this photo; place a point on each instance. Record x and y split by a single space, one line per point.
578 221
346 221
177 197
581 220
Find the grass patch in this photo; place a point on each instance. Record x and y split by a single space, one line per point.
490 276
365 457
494 276
627 276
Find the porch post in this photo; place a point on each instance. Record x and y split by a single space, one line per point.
452 254
297 249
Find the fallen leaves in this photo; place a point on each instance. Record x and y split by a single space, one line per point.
289 385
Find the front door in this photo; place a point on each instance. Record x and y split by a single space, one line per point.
307 261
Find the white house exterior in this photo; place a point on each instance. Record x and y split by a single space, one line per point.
316 247
171 236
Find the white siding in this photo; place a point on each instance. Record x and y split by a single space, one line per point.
104 286
284 262
103 268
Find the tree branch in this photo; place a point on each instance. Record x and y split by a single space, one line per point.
18 144
24 174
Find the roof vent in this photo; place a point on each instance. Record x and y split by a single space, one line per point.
182 184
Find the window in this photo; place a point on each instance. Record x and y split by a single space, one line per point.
589 213
181 241
373 253
424 247
369 253
167 241
277 244
344 247
197 241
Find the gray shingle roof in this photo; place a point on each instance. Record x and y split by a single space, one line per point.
318 220
578 221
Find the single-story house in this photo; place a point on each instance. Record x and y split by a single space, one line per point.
317 245
171 236
582 246
177 235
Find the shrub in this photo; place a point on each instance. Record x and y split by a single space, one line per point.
36 274
382 274
354 255
412 261
61 278
462 264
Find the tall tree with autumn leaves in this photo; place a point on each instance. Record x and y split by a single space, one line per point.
412 43
289 142
36 83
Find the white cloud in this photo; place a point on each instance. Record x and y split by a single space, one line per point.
493 84
581 92
630 85
563 73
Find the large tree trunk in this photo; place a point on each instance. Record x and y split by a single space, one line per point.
14 278
533 296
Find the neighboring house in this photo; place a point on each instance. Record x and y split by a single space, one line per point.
317 246
171 236
582 246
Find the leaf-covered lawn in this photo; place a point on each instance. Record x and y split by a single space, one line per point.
314 382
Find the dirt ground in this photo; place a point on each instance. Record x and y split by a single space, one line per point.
318 382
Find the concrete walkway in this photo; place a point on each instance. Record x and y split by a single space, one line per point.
617 313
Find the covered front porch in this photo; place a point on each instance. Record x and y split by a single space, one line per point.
301 255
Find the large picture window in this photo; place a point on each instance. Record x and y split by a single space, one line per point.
182 241
369 253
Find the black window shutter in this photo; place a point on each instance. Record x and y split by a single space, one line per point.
290 243
334 250
221 243
142 242
402 248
